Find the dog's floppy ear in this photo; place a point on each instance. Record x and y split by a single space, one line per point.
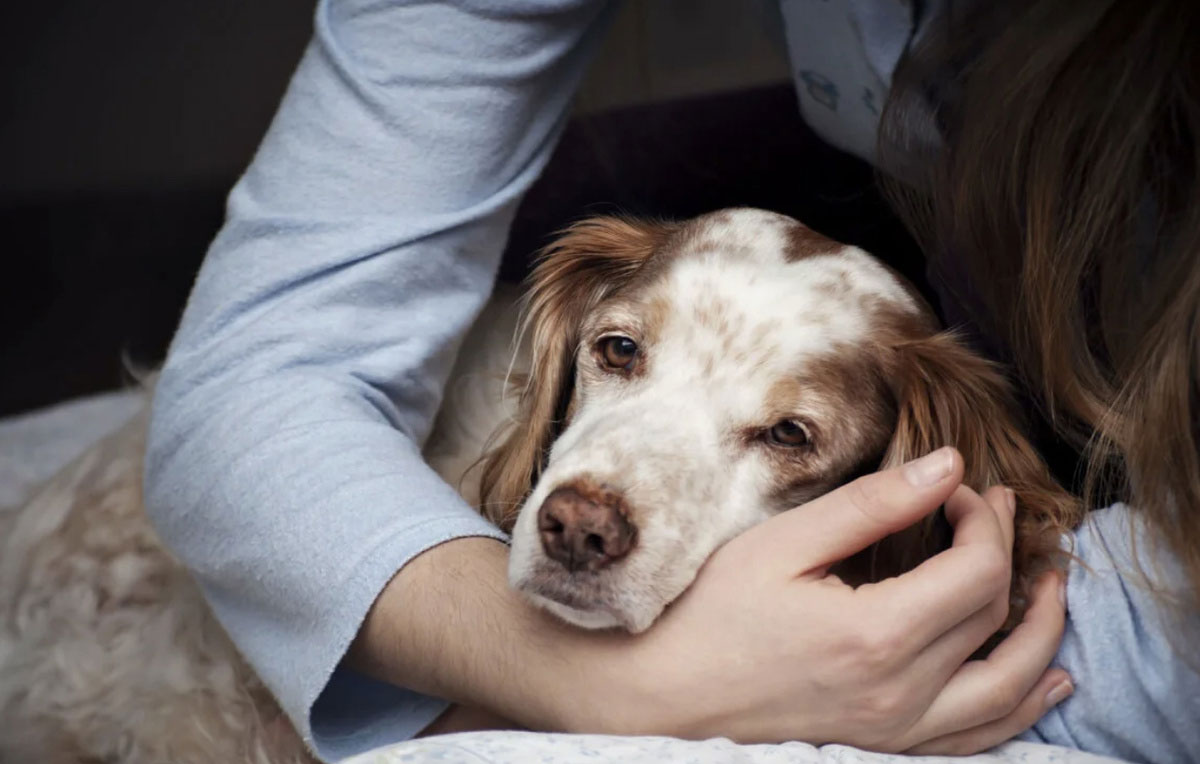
589 262
947 395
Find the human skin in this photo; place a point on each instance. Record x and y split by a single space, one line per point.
883 666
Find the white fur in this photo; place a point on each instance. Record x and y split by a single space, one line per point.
107 650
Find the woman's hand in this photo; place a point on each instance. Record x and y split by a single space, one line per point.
766 646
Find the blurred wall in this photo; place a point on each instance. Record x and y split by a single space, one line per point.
131 95
123 95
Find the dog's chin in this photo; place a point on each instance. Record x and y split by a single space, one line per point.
601 617
584 619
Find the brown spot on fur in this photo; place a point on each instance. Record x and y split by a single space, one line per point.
803 242
837 287
710 314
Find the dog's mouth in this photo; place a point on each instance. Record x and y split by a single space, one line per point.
562 593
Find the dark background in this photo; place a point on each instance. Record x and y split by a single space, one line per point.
123 126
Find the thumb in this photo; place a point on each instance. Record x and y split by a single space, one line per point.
851 518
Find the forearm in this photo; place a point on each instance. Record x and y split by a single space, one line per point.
448 625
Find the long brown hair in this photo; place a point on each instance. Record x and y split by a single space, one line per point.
1046 155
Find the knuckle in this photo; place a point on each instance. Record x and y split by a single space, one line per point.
885 645
999 612
1027 714
1002 699
875 649
994 566
863 494
857 647
884 710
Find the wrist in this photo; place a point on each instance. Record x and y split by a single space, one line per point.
578 681
610 683
448 625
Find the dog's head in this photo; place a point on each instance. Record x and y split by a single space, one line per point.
689 380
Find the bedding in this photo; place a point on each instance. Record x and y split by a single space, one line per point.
530 747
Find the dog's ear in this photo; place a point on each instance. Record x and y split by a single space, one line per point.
947 395
589 262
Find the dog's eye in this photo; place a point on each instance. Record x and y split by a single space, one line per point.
618 352
789 432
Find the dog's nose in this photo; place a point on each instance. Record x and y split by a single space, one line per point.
585 530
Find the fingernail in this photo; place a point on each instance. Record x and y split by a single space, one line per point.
1061 692
929 469
1011 499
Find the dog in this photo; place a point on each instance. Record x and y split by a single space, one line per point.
673 384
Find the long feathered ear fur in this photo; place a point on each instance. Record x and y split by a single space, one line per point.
588 263
948 395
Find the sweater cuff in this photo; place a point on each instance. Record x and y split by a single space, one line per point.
350 713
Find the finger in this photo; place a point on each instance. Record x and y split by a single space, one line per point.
1054 687
952 586
987 690
856 515
939 660
1003 502
980 519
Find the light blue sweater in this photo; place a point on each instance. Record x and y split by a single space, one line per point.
284 463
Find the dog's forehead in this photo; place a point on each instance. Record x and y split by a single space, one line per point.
751 234
764 278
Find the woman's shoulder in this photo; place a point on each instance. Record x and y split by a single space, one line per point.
1134 657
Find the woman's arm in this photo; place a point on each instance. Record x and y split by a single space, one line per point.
284 462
